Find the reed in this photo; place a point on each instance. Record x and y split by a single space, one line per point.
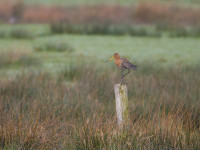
41 111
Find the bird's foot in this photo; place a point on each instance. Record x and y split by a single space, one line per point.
123 83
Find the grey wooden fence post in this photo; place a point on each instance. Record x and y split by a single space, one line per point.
121 96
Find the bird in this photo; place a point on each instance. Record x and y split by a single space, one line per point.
123 64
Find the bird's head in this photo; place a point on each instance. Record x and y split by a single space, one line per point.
116 56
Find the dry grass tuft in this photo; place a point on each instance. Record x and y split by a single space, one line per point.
17 58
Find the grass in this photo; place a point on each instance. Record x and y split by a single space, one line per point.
101 15
162 51
94 2
23 31
105 29
67 100
52 46
158 50
17 58
39 111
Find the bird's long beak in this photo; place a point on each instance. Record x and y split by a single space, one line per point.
110 59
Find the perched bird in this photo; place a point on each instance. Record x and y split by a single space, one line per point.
123 64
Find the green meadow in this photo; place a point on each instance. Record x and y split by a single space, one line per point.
160 51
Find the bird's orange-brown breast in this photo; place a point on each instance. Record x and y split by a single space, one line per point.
118 62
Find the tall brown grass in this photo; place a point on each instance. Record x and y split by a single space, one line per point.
11 10
76 109
113 14
151 13
168 14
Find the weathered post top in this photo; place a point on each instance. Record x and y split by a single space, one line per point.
121 96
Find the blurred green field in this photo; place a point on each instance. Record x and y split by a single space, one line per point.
163 51
160 51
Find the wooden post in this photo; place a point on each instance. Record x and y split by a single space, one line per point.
121 96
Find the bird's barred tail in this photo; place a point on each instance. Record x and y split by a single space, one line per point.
133 67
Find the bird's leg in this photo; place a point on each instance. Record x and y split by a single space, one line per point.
122 77
126 74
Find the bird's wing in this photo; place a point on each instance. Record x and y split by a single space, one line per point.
127 64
